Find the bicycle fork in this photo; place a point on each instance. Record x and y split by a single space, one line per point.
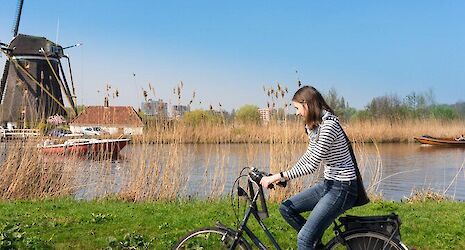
243 228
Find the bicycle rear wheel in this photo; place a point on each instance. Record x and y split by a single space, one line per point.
210 238
366 241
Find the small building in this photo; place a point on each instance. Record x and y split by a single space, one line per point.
178 111
264 114
155 108
113 119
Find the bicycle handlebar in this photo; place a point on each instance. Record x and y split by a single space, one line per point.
257 175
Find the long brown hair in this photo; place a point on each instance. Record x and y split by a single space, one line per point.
315 104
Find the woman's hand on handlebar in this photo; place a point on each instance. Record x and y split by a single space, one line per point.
267 180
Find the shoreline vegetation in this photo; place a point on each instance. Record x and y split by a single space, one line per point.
366 131
163 171
385 119
66 223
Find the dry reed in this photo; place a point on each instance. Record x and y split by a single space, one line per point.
402 131
167 171
380 131
164 171
26 174
423 195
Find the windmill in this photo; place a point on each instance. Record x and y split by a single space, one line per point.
33 79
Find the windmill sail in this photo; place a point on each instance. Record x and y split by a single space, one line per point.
15 33
3 80
18 17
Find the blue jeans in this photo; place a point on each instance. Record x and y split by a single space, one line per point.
327 200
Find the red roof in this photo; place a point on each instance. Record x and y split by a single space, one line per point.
113 115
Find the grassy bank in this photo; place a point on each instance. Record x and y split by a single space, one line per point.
66 223
292 131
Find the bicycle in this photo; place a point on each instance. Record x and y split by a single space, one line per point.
352 232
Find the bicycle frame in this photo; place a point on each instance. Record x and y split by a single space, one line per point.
260 213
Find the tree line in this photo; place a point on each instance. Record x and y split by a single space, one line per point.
415 105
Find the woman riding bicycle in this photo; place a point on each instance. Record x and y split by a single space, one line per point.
342 187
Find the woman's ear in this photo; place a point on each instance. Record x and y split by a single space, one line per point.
305 105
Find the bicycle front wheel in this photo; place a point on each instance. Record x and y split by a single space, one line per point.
366 241
210 238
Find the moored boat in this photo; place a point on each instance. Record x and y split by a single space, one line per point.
84 147
429 140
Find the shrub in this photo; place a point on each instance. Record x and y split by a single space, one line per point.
198 116
443 112
248 114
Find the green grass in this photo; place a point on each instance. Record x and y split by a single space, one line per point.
67 223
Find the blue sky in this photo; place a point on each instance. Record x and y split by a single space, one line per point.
226 51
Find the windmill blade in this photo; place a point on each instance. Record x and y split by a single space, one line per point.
71 75
3 82
67 91
18 17
7 63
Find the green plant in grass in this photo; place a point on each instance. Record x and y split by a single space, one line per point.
130 241
101 218
10 236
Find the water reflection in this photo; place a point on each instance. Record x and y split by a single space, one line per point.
412 166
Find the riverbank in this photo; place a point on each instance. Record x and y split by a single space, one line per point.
71 224
380 131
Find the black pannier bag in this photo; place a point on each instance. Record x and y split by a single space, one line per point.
388 225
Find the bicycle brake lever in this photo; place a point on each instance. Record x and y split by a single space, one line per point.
279 183
282 183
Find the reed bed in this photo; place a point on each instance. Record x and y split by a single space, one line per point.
381 131
25 174
222 133
168 163
403 131
144 171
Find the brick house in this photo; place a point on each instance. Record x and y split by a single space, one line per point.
113 119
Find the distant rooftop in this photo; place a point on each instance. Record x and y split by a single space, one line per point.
112 115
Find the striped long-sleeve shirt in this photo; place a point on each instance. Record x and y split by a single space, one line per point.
328 146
